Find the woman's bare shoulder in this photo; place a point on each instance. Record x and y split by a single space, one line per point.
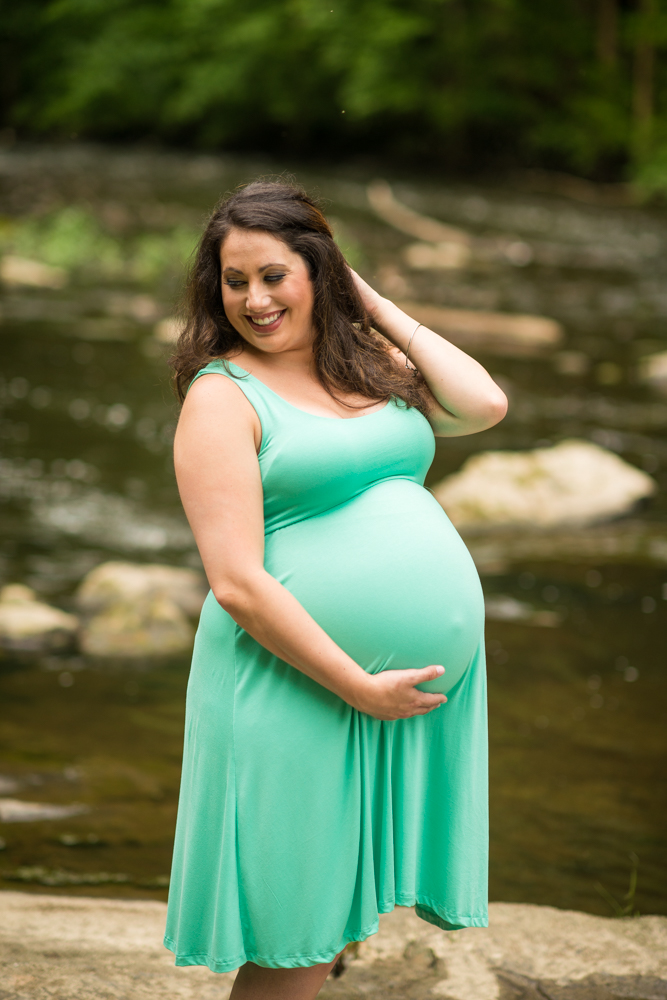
217 390
216 410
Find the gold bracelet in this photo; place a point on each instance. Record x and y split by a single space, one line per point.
407 353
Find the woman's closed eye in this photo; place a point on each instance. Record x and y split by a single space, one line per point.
238 282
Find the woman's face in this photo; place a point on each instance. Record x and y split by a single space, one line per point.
266 291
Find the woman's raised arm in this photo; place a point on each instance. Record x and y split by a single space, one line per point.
465 397
215 456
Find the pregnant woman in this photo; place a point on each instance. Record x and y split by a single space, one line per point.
335 749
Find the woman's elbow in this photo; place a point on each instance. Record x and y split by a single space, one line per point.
488 412
236 596
227 596
495 408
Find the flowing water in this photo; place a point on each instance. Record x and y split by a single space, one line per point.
577 711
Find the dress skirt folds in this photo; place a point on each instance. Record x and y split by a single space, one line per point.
301 819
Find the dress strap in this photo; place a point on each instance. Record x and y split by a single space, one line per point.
220 367
258 395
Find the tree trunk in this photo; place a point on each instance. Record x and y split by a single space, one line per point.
607 32
644 78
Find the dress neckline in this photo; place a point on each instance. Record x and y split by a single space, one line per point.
317 416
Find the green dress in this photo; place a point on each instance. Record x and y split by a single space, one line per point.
300 818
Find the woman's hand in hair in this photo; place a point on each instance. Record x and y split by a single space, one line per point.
465 397
371 299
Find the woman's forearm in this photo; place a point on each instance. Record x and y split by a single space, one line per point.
464 389
273 616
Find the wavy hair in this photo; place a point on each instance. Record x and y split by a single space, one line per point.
350 357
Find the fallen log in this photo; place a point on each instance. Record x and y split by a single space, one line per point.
498 333
406 220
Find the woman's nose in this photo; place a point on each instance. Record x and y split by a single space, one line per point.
258 296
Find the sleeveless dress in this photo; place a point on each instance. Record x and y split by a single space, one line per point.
300 818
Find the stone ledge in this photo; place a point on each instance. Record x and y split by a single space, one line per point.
77 948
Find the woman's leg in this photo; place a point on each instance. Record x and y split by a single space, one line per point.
255 983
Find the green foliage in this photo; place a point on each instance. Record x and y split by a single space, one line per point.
70 238
468 82
350 247
74 239
155 255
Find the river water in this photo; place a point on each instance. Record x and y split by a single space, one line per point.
577 712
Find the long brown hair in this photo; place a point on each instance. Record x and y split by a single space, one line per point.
350 357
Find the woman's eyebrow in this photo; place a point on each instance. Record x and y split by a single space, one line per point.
264 267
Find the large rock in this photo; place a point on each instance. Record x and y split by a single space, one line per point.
93 949
132 610
27 625
572 483
111 582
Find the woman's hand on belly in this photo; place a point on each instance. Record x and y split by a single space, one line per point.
392 694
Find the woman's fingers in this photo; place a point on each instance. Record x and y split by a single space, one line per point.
369 296
396 696
430 673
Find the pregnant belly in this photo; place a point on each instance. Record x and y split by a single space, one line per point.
388 578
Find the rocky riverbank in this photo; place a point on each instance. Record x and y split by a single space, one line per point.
66 948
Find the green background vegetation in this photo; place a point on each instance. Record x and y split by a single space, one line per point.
568 85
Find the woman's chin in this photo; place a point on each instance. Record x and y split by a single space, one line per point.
278 342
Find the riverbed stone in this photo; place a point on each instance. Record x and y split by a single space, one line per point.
78 948
653 371
119 581
168 330
19 811
22 271
133 611
28 625
573 483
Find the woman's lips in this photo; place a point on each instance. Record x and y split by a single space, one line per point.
265 327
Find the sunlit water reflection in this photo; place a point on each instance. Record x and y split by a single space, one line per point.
576 641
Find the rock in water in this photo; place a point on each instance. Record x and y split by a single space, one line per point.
137 611
168 330
149 626
27 625
118 581
21 271
653 370
574 482
17 811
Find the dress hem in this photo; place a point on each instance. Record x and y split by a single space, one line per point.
425 908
